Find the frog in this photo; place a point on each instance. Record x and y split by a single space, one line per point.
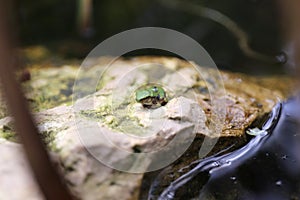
151 97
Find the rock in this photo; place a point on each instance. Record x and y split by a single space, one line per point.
88 177
187 110
106 134
16 180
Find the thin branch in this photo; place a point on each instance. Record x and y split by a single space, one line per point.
45 174
229 24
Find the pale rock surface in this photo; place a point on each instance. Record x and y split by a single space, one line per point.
106 129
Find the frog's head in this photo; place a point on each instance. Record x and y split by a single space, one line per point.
158 92
150 92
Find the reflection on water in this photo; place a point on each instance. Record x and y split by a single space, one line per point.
268 167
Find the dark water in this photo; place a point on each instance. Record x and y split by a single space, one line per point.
267 168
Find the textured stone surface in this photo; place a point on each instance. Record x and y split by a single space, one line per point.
75 134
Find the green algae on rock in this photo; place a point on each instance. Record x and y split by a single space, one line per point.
110 107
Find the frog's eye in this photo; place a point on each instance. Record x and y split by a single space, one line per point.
154 89
158 97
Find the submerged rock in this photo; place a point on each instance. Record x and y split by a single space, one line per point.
106 133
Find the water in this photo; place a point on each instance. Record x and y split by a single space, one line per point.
268 167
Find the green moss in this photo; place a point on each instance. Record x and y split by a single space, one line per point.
48 139
111 121
50 95
95 114
102 114
129 127
118 119
8 133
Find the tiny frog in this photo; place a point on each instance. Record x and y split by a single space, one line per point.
151 96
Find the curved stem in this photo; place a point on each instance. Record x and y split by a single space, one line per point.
229 24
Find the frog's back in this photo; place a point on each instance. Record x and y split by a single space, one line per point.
142 94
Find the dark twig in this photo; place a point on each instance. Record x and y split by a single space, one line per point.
229 24
45 174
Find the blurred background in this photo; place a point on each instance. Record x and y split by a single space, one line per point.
240 35
71 29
